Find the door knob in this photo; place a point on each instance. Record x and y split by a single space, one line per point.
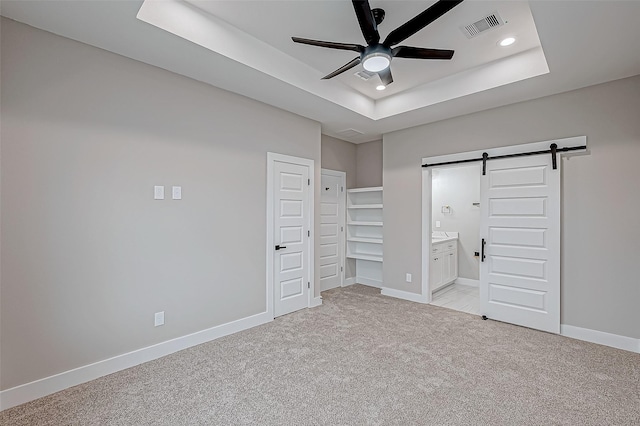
278 247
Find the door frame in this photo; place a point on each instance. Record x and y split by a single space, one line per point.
342 215
425 295
272 157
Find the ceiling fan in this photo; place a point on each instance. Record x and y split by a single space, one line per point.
376 57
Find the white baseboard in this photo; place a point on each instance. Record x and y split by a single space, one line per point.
600 337
43 387
399 294
316 301
369 281
349 281
468 281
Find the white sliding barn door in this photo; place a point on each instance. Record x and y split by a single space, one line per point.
292 258
520 227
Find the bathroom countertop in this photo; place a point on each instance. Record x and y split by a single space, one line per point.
442 240
442 237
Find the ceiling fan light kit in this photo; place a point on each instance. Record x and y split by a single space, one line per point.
376 57
376 61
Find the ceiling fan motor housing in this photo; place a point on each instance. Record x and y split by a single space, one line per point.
376 56
378 15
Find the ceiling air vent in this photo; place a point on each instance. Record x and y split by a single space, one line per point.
350 133
490 21
364 74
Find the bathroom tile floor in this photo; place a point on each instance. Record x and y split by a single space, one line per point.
458 297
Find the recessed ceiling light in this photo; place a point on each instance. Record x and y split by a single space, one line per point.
381 87
507 41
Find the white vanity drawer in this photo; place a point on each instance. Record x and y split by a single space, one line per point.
442 247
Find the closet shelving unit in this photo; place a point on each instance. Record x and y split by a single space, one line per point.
364 233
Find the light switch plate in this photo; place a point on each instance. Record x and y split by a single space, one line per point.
158 192
176 192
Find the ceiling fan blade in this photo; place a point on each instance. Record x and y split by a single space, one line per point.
329 44
421 53
367 22
385 76
420 21
343 68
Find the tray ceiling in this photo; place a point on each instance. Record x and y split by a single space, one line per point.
245 47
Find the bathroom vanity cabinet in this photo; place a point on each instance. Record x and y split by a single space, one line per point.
443 263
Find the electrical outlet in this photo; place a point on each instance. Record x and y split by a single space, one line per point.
408 278
159 319
437 224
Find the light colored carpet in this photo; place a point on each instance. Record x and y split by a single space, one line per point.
363 358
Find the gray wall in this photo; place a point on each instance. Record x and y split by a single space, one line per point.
601 200
459 187
361 162
341 156
87 255
369 164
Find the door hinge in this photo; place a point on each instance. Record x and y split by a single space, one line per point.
341 229
341 269
308 181
342 189
308 233
308 284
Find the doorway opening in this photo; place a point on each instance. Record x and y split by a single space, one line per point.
519 239
454 265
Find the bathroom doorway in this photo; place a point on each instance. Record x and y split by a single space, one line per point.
519 238
454 263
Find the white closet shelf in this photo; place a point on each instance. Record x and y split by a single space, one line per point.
371 257
373 189
365 240
366 206
365 233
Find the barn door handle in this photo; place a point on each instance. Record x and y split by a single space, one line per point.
482 250
278 247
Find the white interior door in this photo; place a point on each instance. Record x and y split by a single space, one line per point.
291 237
520 227
332 217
